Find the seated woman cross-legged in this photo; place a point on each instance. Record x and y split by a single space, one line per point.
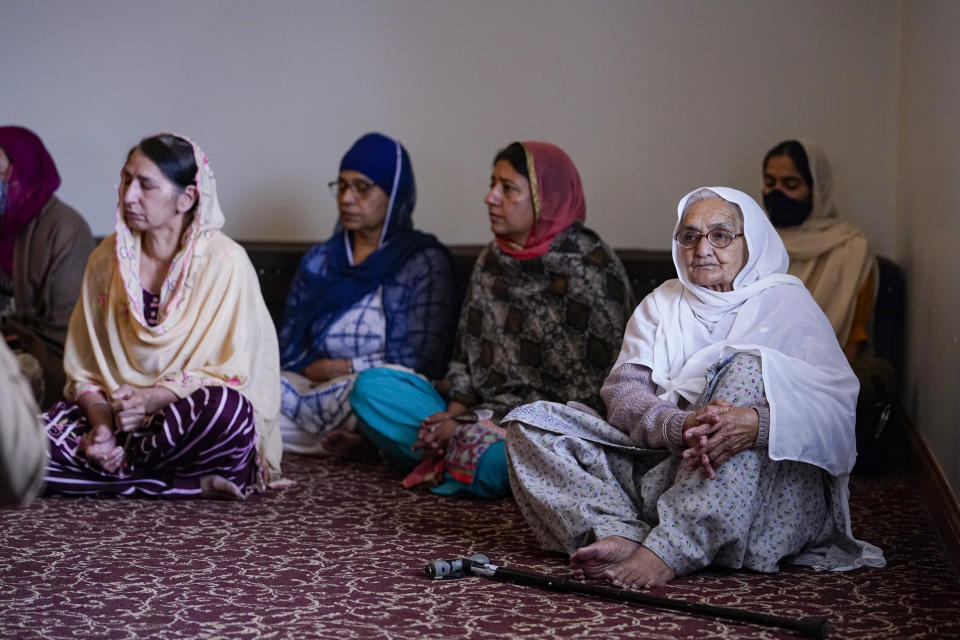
377 293
542 319
171 358
44 245
832 257
730 423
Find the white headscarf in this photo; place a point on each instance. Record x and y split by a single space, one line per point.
680 329
831 256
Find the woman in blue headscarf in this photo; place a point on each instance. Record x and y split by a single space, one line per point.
376 293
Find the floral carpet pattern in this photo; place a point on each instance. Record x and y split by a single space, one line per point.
340 554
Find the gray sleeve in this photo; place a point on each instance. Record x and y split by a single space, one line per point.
633 407
23 452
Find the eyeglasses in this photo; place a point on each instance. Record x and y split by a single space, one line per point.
689 239
361 188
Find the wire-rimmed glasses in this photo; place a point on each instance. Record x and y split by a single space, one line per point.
361 188
719 238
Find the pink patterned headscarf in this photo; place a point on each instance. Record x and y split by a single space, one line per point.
214 328
31 185
176 287
557 198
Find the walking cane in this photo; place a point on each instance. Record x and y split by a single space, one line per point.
479 565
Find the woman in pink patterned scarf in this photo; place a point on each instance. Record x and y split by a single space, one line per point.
542 320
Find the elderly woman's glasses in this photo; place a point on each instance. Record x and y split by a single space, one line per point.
361 188
719 238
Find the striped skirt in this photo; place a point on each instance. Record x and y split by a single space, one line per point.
210 432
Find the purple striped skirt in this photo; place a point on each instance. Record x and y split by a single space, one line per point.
210 432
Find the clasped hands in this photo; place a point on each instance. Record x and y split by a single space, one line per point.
435 431
715 433
126 410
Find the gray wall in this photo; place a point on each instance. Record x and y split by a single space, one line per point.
650 98
929 221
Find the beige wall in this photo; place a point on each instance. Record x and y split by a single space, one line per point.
929 221
650 98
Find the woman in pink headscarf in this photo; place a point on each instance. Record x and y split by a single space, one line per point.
543 318
44 245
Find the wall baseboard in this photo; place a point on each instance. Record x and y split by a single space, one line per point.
942 501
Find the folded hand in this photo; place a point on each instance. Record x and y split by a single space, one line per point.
129 405
99 445
435 432
719 431
324 369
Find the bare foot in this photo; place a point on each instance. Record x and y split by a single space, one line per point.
344 444
220 488
641 570
594 560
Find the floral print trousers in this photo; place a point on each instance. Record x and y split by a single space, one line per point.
578 479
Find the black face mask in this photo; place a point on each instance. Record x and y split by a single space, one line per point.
784 211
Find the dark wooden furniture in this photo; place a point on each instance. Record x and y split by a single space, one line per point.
276 262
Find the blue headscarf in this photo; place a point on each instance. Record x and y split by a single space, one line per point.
386 163
336 284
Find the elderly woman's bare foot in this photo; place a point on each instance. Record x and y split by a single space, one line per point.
220 488
593 561
641 570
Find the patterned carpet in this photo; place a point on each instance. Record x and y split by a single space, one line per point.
340 555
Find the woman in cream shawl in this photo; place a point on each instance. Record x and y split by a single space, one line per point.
171 356
833 259
729 433
830 255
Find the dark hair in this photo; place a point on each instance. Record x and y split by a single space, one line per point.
515 154
795 151
173 156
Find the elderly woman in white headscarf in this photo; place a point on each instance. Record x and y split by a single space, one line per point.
730 423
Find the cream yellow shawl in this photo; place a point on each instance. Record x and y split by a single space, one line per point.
214 326
830 255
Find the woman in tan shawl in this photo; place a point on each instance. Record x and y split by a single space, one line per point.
830 255
171 356
44 244
833 259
